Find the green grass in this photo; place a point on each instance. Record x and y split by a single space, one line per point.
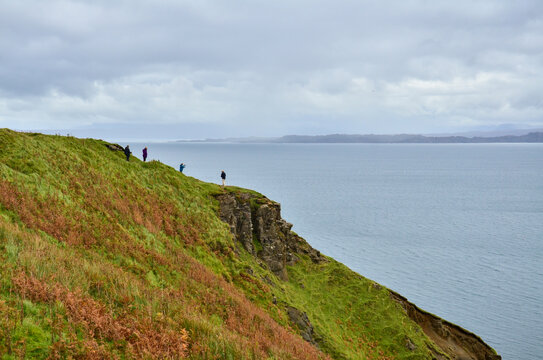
141 246
357 316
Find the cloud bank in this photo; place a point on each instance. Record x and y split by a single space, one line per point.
202 68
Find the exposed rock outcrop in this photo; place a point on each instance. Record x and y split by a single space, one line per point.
236 212
300 319
114 147
256 223
455 341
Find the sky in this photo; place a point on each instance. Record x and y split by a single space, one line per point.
192 69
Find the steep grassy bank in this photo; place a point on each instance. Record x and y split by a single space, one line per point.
103 258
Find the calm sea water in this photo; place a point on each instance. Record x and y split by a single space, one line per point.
456 228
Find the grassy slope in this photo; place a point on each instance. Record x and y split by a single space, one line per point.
103 258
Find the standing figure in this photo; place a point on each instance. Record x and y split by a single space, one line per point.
127 152
181 167
223 177
145 154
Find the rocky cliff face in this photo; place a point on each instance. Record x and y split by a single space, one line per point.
256 223
457 342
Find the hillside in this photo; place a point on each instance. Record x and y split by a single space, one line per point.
101 258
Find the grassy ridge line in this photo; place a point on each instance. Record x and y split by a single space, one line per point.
142 244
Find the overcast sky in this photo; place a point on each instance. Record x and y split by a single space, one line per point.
198 68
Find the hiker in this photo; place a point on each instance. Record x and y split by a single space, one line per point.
145 154
181 167
223 177
127 152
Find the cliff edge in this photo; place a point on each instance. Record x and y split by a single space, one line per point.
257 225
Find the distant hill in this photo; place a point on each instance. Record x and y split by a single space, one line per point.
496 132
535 137
532 137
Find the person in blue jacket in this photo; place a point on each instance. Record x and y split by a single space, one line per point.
181 167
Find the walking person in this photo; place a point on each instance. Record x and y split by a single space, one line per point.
223 177
181 167
145 154
127 152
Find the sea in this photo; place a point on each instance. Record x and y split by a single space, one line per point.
455 228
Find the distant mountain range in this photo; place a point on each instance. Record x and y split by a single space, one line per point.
532 137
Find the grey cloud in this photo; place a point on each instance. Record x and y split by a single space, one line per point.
358 66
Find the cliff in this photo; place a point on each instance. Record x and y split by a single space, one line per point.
256 223
452 339
103 258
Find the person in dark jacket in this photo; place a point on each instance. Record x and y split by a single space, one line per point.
223 177
181 167
145 154
127 152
